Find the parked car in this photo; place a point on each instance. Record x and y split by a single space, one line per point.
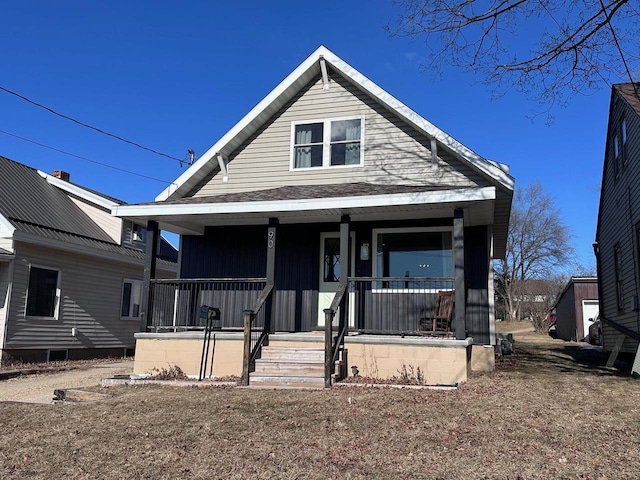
595 331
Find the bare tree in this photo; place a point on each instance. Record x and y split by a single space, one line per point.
538 245
548 49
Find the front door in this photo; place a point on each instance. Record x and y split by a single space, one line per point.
330 274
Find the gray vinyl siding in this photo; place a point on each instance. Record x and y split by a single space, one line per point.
90 298
393 151
619 214
5 268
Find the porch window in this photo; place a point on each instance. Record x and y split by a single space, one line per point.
131 295
413 253
327 143
43 292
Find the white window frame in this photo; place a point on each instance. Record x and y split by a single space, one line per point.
133 282
326 143
56 308
374 252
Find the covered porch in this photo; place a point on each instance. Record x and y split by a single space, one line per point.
353 276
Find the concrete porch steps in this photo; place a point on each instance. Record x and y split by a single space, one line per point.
289 367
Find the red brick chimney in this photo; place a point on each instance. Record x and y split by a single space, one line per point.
61 174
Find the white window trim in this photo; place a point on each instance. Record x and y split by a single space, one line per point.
56 309
374 253
326 143
132 281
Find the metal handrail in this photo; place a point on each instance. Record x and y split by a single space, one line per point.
331 345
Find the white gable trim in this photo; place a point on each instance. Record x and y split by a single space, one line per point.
313 204
284 91
79 191
6 228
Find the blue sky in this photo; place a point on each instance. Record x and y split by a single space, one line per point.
178 75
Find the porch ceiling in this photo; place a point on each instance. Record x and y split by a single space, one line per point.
191 216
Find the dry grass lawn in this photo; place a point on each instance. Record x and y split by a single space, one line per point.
549 411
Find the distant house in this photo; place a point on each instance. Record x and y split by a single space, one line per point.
618 233
576 308
70 273
331 196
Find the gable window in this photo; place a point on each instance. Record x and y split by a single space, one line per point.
43 292
138 233
617 264
616 155
413 253
131 296
327 143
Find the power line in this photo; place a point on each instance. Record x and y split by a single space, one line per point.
66 117
83 158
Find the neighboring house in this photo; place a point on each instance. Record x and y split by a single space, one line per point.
327 166
577 308
617 244
70 273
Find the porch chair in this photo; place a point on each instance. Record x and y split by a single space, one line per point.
440 322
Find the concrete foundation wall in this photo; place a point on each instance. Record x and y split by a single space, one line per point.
442 362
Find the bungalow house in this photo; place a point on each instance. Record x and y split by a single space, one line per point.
577 308
70 273
330 207
617 244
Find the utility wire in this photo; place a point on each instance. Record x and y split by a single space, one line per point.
83 158
66 117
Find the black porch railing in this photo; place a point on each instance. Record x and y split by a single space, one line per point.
394 305
175 304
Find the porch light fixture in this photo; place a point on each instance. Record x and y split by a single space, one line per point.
364 251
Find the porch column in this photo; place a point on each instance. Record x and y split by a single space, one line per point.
151 255
345 262
270 307
458 262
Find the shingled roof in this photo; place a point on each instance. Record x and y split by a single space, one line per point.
631 93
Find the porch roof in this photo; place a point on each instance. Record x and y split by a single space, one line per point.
318 203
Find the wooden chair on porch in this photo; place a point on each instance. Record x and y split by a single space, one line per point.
440 322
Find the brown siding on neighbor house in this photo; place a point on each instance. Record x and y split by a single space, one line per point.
90 289
569 324
393 151
617 220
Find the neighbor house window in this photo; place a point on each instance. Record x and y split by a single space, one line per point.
327 143
413 253
617 263
138 233
43 292
623 140
131 296
616 155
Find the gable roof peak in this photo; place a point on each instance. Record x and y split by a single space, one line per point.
287 88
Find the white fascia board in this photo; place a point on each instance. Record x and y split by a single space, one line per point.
207 156
313 204
78 191
6 228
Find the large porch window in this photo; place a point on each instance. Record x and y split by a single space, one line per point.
413 253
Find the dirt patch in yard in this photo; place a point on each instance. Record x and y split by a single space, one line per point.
543 413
